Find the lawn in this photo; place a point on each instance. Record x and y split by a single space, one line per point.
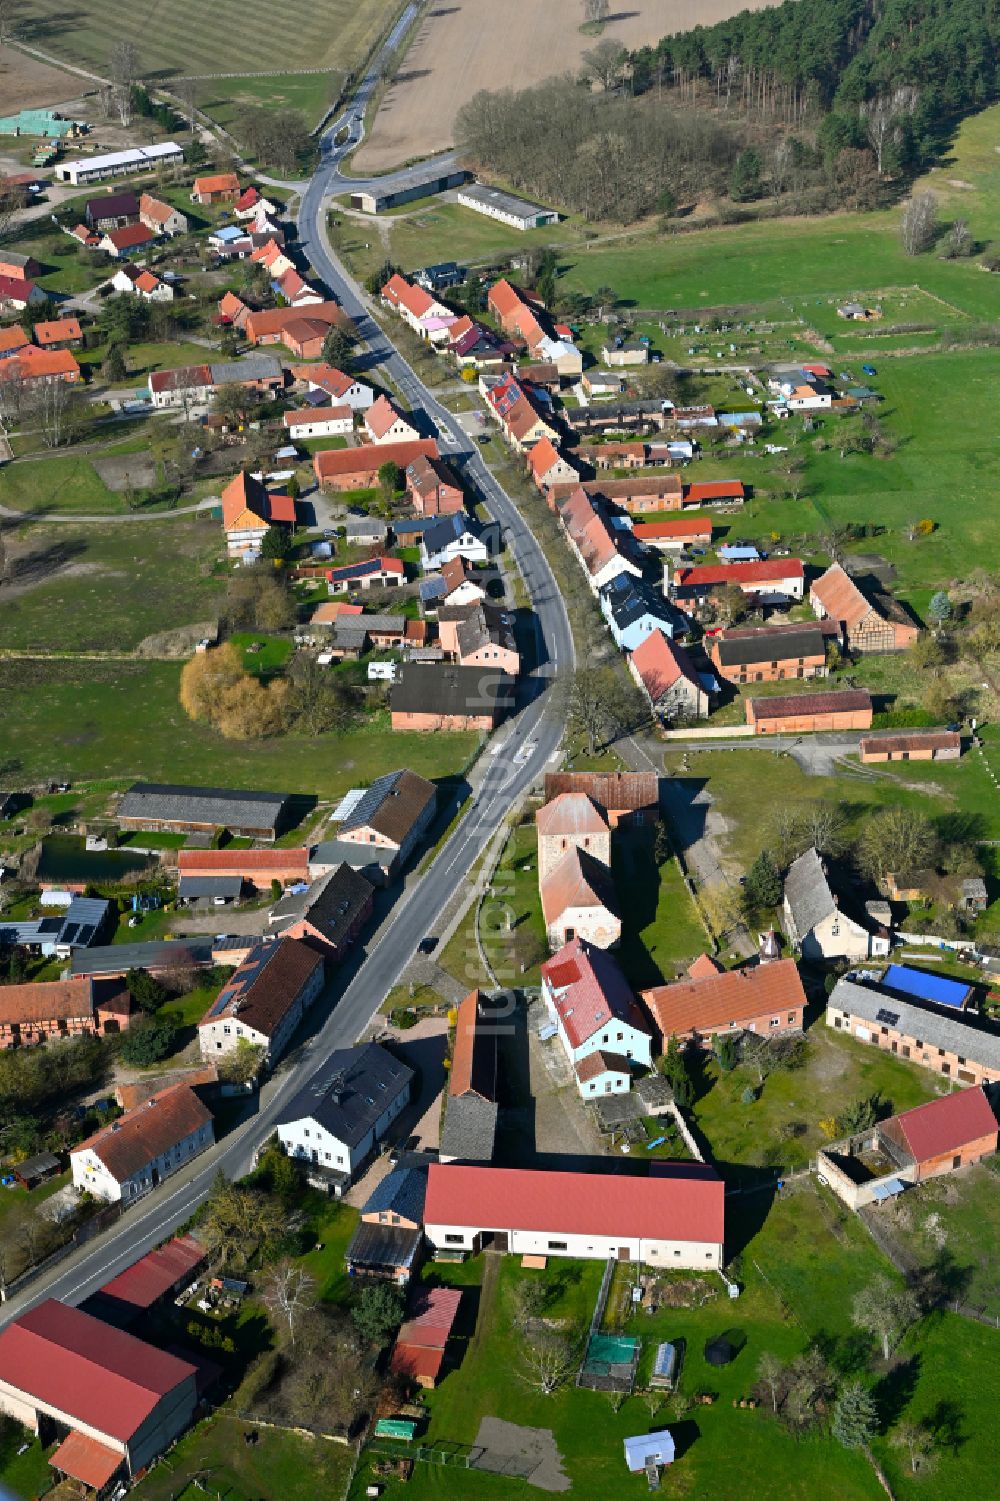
511 925
780 1129
28 1474
281 1465
16 1197
183 37
97 720
661 930
106 588
263 655
325 1263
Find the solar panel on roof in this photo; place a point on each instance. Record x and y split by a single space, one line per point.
890 1018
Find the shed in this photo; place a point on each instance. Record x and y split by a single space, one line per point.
34 1170
665 1366
649 1448
210 888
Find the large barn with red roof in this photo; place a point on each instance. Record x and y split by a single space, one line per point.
115 1402
673 1218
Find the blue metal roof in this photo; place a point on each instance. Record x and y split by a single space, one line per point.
938 989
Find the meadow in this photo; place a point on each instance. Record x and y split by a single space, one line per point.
105 588
123 719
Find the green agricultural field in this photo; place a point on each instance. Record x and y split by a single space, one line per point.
123 719
184 36
105 588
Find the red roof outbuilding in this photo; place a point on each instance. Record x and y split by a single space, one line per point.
947 1124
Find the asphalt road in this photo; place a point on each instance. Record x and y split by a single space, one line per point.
516 757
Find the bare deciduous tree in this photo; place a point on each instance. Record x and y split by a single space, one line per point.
771 1373
919 223
603 64
124 69
595 12
186 90
886 1311
918 1442
548 1359
288 1293
881 117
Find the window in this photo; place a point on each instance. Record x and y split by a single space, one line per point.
454 1240
306 1131
677 1253
946 1068
791 1018
957 1161
227 1031
961 1060
775 1021
558 1245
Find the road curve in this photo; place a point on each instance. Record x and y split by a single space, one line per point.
517 757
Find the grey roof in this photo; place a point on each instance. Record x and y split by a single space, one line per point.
382 1248
400 1192
431 588
117 958
916 1021
630 599
373 860
83 920
448 529
470 1128
191 888
332 905
485 625
349 1093
771 646
391 805
507 203
807 892
30 930
167 802
250 367
446 689
365 526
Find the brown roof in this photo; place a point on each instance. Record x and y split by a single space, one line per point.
474 1055
229 862
793 705
571 813
221 182
598 1063
577 881
47 1000
130 1143
616 791
729 999
840 596
129 1096
393 803
915 740
266 985
704 967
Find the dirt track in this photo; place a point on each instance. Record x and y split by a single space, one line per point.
467 45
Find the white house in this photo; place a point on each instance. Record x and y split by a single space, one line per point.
320 422
673 1218
263 1001
135 281
133 1154
815 922
338 1118
590 1003
343 390
385 424
452 536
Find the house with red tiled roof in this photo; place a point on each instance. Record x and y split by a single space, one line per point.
768 581
12 340
510 406
547 466
427 317
115 1401
268 326
345 390
357 468
319 422
137 281
474 1052
764 998
674 1218
591 1005
220 187
40 1010
601 549
131 1155
32 364
233 309
58 333
295 289
704 967
805 713
248 510
674 533
257 868
433 489
944 1134
125 241
624 797
868 620
715 492
161 218
668 678
85 235
385 423
17 293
